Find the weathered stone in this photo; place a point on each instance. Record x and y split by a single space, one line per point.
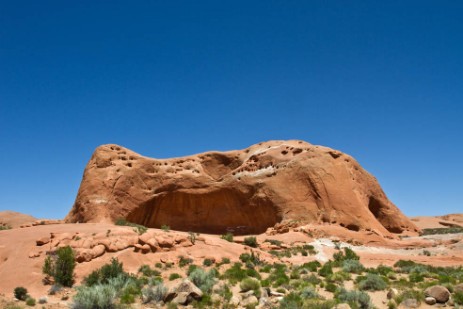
439 292
430 300
392 293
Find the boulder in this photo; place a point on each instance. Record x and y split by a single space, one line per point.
430 300
439 292
42 241
392 293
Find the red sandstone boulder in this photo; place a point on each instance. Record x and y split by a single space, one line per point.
287 183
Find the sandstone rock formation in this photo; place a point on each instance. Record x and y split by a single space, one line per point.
242 192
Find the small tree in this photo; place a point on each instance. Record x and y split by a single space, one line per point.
61 266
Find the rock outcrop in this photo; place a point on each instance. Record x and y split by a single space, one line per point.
242 192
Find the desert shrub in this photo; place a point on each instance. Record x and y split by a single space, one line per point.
319 304
174 276
458 298
251 272
356 299
251 258
224 261
382 270
309 292
154 294
20 293
4 227
339 276
98 296
326 269
140 229
30 301
331 287
102 275
158 265
204 303
204 280
250 241
405 266
311 266
208 262
278 275
348 254
249 284
225 292
372 282
148 272
184 261
443 230
352 266
61 266
410 294
165 228
312 279
227 237
265 268
291 301
235 274
274 242
192 237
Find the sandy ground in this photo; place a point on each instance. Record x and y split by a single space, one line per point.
18 269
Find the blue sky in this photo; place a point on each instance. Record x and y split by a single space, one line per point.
379 80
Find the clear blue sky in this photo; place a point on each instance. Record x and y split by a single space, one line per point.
380 80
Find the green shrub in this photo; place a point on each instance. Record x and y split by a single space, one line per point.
158 265
20 293
278 276
372 282
250 241
228 237
106 272
202 279
165 228
192 237
235 274
274 242
61 266
140 229
99 296
147 271
4 227
224 261
174 276
326 270
331 287
208 262
319 304
309 292
458 298
291 301
249 284
356 299
154 294
410 294
184 261
352 266
311 266
312 279
30 301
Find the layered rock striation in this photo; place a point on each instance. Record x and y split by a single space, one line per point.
242 192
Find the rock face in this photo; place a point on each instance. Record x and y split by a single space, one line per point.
242 192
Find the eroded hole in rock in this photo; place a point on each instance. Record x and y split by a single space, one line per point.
215 212
375 206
